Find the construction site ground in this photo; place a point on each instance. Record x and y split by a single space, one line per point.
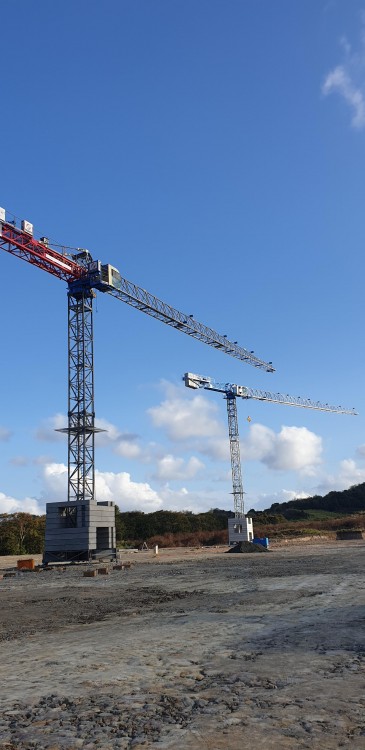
189 649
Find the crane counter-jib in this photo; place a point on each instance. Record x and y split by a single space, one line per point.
23 245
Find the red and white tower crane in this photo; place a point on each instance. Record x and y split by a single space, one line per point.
84 276
231 393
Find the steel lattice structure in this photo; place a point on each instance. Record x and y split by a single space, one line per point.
234 446
137 297
81 411
83 276
232 391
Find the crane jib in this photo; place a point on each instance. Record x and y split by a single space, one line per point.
232 391
83 273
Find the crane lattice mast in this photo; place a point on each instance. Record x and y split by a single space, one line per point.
231 391
83 276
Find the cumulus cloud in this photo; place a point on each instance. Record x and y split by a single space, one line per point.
122 443
195 501
264 500
128 495
127 449
292 449
10 504
347 80
171 468
216 449
184 418
348 474
42 459
55 482
111 434
46 431
117 487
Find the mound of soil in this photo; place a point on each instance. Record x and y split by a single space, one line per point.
247 547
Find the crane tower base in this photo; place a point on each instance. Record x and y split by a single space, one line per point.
79 530
240 530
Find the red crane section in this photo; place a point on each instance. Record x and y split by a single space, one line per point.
21 243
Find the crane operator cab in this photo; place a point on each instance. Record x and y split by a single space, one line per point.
103 276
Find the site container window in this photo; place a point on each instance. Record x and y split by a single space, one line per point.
67 517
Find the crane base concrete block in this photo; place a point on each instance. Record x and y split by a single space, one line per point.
78 531
240 530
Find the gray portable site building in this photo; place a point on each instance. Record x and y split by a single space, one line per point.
79 530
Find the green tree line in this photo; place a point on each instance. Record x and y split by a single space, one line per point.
346 501
136 526
21 534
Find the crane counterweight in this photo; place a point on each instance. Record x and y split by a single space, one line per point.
81 526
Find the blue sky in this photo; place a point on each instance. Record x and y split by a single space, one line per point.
214 153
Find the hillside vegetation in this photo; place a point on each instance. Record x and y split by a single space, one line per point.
347 501
22 533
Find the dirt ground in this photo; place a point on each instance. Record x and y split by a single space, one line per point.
188 649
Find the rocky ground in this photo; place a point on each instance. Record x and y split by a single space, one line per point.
190 649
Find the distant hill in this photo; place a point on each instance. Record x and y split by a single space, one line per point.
347 501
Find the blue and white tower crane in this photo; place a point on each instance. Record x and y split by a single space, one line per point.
231 392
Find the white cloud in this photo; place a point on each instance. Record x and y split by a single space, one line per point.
117 487
10 504
111 434
55 481
196 502
340 81
19 461
292 449
172 468
349 473
345 44
361 451
42 459
263 500
184 418
215 448
128 495
5 434
122 443
347 79
127 449
47 429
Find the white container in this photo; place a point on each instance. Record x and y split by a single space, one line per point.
27 227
